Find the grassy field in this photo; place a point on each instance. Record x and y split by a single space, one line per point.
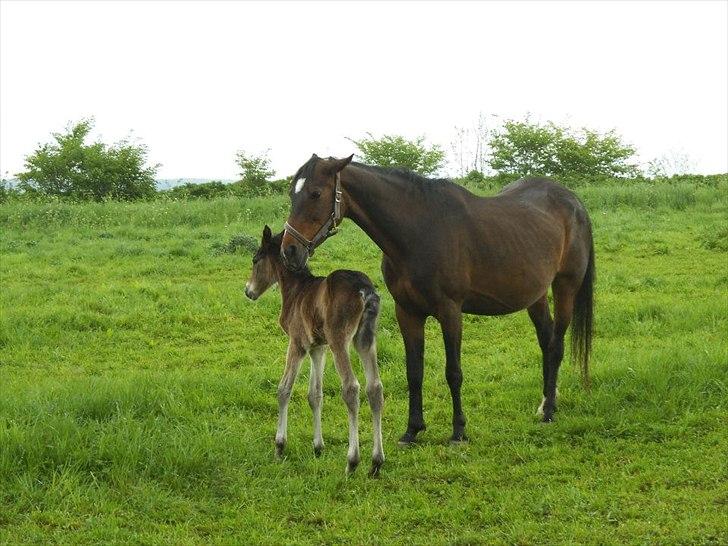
137 391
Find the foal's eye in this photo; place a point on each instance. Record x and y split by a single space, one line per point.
315 194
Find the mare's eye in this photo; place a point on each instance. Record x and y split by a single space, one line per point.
315 194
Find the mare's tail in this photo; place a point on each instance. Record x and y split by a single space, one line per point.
583 319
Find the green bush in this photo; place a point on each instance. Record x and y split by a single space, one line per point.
525 148
396 151
71 168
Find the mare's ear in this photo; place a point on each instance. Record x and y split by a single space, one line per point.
266 234
314 156
337 165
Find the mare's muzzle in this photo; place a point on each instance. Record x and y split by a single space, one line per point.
294 255
296 248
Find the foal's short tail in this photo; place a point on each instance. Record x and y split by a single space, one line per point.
368 323
582 321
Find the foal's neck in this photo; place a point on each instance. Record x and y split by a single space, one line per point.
290 282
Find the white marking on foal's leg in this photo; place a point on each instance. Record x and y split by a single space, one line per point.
299 185
315 395
293 363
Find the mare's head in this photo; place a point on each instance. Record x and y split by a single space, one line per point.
264 274
313 209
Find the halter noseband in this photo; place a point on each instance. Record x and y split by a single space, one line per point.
327 230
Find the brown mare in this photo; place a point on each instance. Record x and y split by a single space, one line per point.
320 311
448 252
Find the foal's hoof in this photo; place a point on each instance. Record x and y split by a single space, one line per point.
351 466
317 450
279 449
547 418
374 470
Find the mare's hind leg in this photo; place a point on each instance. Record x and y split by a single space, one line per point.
451 321
541 318
316 395
564 290
375 394
350 394
293 363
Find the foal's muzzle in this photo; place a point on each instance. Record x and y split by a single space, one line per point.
250 293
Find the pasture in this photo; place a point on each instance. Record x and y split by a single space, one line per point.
138 390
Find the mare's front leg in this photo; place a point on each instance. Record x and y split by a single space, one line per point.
350 394
293 363
412 327
316 395
451 321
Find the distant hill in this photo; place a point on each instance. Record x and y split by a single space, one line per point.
168 183
162 183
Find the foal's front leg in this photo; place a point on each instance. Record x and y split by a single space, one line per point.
293 363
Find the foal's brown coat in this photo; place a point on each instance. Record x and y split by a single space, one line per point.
320 311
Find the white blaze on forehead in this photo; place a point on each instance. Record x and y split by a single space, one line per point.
299 185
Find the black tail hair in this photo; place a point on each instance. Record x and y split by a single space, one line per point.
582 324
368 323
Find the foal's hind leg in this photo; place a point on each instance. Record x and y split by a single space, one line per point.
350 394
316 395
293 363
375 394
541 318
564 290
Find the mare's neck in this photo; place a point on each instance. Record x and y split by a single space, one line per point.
388 208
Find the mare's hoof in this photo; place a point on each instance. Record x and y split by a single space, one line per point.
547 419
279 450
459 438
317 451
410 437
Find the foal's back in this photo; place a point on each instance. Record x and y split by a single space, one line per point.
330 310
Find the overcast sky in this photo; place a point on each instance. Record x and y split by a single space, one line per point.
198 81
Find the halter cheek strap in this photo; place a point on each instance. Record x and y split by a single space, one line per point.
327 230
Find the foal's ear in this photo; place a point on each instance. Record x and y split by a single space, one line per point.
266 234
337 165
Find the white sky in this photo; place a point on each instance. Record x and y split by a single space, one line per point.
198 81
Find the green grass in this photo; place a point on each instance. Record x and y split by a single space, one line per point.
137 390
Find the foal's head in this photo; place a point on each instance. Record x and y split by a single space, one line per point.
312 207
264 274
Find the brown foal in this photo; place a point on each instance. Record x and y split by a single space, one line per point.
317 311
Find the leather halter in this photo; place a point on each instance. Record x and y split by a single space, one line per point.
329 228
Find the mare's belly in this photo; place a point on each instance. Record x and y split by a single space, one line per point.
477 304
503 303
